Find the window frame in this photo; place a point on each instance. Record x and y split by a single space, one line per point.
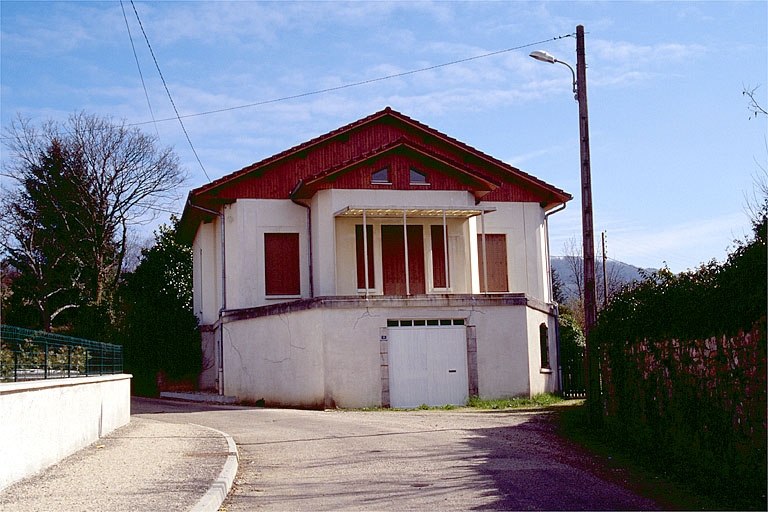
378 181
546 364
413 171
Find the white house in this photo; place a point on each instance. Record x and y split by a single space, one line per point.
381 264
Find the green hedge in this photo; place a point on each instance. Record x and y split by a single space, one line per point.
684 371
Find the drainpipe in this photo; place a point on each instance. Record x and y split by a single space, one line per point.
223 307
559 382
309 233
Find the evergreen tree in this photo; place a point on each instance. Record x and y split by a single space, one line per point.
73 191
160 331
42 228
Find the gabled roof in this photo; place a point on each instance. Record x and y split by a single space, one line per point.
294 169
482 183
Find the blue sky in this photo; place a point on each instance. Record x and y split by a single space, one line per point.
673 147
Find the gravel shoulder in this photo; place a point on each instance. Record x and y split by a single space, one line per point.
145 465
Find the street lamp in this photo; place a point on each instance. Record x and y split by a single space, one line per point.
590 302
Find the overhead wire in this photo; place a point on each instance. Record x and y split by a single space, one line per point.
138 66
162 78
179 117
356 84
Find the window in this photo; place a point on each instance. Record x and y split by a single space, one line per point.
360 250
418 177
439 258
496 257
380 176
544 342
281 264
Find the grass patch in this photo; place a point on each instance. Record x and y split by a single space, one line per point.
542 400
538 401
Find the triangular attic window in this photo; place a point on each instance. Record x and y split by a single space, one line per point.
418 178
380 176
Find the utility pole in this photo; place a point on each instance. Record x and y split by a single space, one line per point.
592 359
605 274
594 405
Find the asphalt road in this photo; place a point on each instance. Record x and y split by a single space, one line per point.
419 460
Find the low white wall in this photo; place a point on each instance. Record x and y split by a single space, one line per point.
43 421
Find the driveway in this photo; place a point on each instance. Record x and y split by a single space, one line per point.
419 460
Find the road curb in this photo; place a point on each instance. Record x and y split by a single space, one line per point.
212 500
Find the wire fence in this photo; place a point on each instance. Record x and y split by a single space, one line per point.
33 355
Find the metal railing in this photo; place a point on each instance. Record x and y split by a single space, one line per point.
32 355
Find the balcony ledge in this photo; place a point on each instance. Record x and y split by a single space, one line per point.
390 301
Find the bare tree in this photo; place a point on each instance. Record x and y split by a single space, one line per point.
757 203
572 249
123 179
609 280
574 277
754 106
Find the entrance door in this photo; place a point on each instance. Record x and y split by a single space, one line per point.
393 260
428 365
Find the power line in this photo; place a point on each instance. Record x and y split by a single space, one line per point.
162 78
141 75
179 117
354 84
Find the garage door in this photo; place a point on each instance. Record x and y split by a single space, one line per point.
427 363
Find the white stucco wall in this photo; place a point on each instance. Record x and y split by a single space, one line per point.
542 380
206 273
328 357
41 422
502 352
247 222
523 225
333 246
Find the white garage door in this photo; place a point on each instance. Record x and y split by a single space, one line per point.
428 363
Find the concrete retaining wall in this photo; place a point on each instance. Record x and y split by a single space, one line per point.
41 422
326 352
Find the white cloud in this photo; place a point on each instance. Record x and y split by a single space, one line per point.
682 245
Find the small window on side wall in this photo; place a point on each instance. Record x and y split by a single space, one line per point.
544 343
418 177
281 264
380 176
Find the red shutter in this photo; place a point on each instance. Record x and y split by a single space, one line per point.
360 249
438 257
393 260
496 256
281 262
416 272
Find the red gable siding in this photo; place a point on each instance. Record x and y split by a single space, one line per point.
346 157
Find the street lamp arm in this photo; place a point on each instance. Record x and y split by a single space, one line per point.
573 74
543 56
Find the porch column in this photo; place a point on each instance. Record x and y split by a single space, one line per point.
365 253
485 260
407 274
445 251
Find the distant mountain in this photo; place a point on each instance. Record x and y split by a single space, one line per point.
619 274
